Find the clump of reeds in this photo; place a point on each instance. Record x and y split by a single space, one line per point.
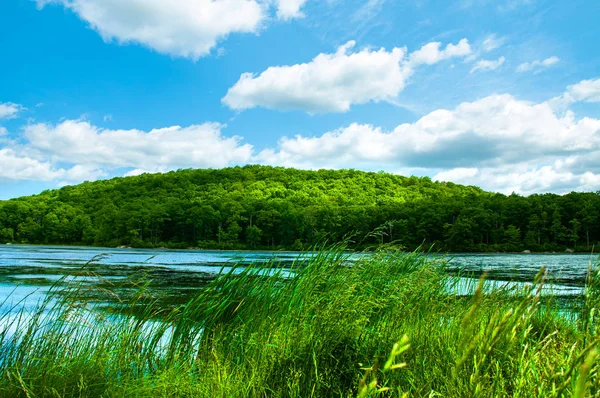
383 325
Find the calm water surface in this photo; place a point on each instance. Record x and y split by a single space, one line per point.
28 272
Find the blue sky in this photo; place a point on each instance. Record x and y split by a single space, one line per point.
501 94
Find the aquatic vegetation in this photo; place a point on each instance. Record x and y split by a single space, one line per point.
383 325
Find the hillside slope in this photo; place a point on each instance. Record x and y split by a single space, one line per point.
274 207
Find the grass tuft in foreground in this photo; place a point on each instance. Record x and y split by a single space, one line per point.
382 326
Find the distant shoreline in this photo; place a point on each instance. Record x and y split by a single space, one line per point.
275 251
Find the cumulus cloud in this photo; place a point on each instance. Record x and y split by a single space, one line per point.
289 9
181 28
487 65
586 90
499 142
431 53
79 142
457 174
80 173
538 65
357 144
16 167
524 179
494 130
8 110
136 172
75 150
329 83
334 82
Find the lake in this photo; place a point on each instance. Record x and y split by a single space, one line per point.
28 272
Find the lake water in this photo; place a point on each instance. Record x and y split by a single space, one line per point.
28 272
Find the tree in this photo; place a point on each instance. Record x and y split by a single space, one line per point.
7 235
574 233
252 206
557 229
589 220
512 238
460 234
253 235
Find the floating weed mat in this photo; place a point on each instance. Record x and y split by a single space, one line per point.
383 325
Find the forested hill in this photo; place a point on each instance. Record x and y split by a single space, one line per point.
273 207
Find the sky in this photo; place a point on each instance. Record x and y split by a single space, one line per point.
501 94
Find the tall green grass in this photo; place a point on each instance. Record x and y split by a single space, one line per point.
384 325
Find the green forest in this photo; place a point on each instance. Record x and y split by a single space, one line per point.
261 207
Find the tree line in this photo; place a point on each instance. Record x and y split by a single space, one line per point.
262 207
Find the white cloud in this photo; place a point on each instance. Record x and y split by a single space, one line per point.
329 83
586 91
538 65
431 54
353 145
16 167
458 174
488 44
289 9
3 131
334 82
9 110
589 181
486 65
499 142
494 132
79 142
80 173
492 42
524 179
107 118
88 152
136 172
181 28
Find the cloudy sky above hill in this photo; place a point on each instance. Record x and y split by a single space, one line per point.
502 94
